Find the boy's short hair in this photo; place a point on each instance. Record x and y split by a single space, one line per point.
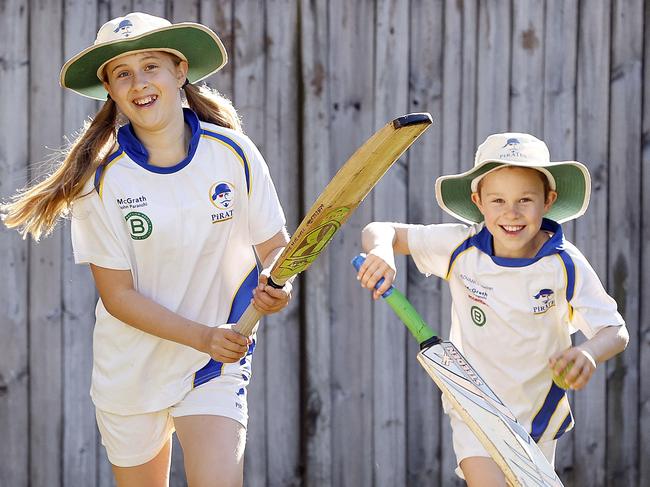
544 179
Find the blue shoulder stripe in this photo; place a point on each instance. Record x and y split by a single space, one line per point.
570 274
465 245
543 417
238 151
239 304
99 173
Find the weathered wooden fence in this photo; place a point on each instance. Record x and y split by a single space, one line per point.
338 398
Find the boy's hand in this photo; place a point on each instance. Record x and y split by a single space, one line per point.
225 345
268 299
379 263
582 366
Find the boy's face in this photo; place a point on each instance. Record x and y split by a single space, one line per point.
512 202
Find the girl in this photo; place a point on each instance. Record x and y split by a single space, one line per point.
169 211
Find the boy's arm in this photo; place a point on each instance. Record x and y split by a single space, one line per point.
380 240
584 358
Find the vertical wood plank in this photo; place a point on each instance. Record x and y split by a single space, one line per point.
624 225
81 448
45 291
218 16
153 7
351 62
493 53
644 318
426 71
526 112
249 99
316 152
560 39
282 153
14 359
457 143
389 203
591 149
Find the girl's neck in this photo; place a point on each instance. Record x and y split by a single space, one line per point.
166 146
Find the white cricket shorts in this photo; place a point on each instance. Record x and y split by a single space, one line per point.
136 439
467 445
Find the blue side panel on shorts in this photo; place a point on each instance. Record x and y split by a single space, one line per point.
570 274
566 425
238 150
543 417
239 304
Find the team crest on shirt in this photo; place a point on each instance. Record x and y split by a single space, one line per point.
222 197
544 300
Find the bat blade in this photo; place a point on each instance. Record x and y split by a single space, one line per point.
507 442
347 189
504 438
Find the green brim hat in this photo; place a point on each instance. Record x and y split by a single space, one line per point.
570 179
138 32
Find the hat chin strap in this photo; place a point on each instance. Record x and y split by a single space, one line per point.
546 172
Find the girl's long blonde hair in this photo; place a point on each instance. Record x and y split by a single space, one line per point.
36 209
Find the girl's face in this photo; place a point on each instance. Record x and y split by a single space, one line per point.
512 202
146 87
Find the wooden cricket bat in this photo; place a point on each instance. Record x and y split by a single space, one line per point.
504 438
347 189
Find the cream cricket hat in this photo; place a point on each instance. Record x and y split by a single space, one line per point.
570 179
137 32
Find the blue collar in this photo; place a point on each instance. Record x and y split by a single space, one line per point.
483 242
136 151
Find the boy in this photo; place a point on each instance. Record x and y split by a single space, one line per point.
517 285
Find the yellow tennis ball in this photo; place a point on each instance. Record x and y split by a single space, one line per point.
559 378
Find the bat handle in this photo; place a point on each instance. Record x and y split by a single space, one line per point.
404 310
360 259
248 321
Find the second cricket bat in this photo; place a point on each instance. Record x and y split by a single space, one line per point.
347 189
504 438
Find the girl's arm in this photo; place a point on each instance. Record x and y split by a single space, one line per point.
380 241
122 301
584 358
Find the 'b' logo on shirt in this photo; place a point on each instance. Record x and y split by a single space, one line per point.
140 225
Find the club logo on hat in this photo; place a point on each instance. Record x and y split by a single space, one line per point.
125 28
512 147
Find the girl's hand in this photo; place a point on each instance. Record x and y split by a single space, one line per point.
581 365
268 299
379 263
225 345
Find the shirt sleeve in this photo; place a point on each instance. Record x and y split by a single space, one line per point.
432 246
593 308
265 214
93 240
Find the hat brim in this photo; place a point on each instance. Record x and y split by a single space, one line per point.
201 47
573 186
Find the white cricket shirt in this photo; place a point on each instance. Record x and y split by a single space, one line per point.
186 233
510 315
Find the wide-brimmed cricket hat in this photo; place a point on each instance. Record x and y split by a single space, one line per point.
570 179
138 32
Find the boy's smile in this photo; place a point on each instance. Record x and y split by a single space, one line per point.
513 204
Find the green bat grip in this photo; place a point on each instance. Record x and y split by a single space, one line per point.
409 316
402 308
